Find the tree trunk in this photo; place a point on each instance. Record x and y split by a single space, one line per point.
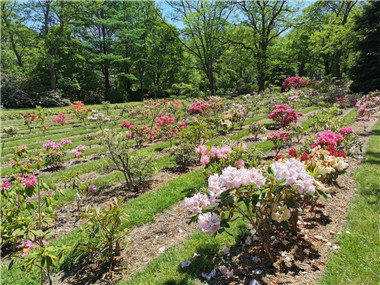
211 78
337 72
107 84
19 59
53 77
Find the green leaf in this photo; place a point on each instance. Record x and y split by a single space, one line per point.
29 191
11 264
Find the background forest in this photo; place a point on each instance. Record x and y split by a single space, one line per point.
53 52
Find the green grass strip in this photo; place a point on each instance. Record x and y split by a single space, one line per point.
358 259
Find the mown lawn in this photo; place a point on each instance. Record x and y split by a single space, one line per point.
358 259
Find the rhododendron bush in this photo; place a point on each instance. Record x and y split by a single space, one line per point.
24 162
262 195
216 158
61 119
54 155
369 105
25 224
199 107
135 166
280 139
296 82
236 114
284 115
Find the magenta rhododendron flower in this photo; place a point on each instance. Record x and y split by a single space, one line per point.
29 182
66 142
92 187
295 81
5 185
346 131
51 145
328 137
284 114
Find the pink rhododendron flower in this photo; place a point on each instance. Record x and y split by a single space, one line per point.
29 182
92 187
284 114
22 148
28 244
49 144
66 141
201 149
294 173
346 131
205 160
240 163
5 185
196 203
328 138
209 223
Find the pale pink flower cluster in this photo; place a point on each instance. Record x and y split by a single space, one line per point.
294 173
213 152
78 151
196 203
98 117
230 178
66 142
30 181
233 178
52 145
368 105
209 223
240 163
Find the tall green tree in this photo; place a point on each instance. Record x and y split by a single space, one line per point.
16 36
204 22
366 70
267 20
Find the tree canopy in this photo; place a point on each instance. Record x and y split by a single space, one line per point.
125 50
